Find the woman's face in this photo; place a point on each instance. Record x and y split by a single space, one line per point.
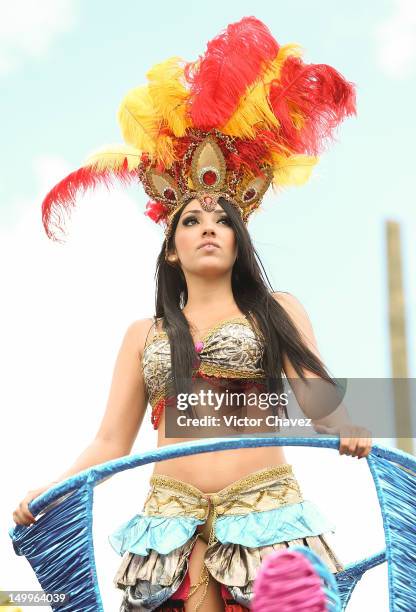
196 227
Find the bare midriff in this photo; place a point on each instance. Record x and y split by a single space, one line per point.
212 471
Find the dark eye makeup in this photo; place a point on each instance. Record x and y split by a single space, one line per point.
194 218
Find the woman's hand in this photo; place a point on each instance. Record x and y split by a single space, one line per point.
22 514
353 439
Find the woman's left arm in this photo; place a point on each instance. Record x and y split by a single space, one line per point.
354 440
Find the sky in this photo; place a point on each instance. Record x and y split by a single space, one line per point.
65 65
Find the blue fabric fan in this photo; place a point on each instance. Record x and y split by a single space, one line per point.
60 548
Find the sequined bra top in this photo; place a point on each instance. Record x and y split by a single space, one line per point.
230 350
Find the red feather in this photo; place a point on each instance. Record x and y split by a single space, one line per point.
250 153
156 211
62 197
319 94
233 61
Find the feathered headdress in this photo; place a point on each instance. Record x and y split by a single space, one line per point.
245 115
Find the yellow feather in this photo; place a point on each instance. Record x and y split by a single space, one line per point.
169 95
254 109
293 170
164 150
285 51
113 156
139 120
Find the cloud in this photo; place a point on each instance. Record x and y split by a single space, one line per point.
97 215
64 303
28 28
396 40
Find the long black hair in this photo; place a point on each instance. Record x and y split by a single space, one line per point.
252 293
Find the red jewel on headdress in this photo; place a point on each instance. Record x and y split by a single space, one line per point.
250 194
207 199
169 194
209 178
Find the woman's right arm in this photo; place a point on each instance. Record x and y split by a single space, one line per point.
122 419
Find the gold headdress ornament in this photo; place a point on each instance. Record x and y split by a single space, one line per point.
246 115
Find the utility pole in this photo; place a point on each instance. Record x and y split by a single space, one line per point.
398 338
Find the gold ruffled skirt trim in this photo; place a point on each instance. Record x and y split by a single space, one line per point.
166 569
233 565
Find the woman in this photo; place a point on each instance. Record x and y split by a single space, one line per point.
209 520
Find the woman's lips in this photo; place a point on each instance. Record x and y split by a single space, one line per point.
208 247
